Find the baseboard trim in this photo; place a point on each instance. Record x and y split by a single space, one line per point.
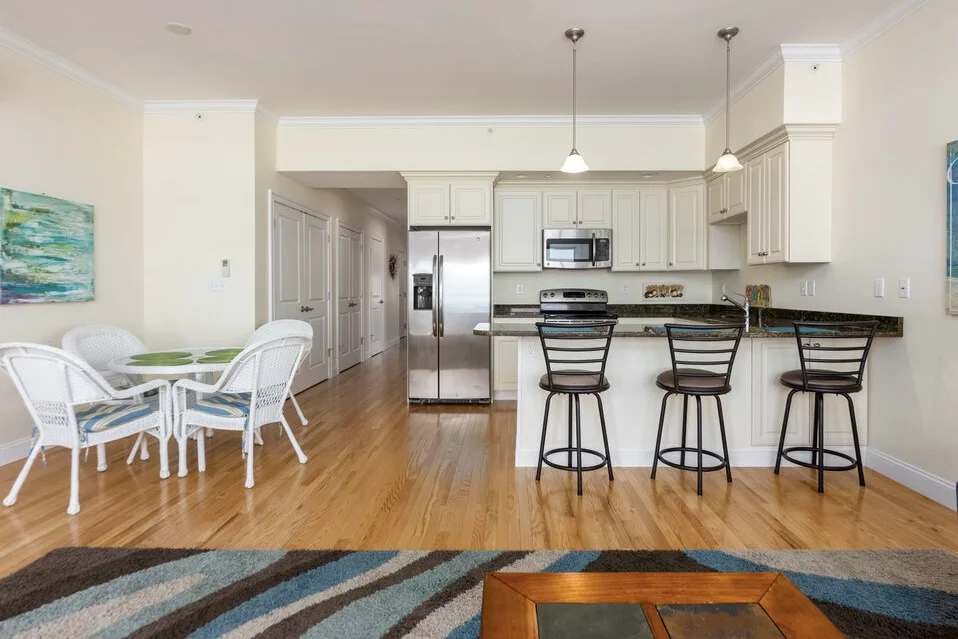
505 395
753 457
14 451
931 486
391 343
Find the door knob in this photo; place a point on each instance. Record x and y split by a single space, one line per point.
381 302
308 308
302 309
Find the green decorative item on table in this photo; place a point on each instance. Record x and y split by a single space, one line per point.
223 352
149 357
214 360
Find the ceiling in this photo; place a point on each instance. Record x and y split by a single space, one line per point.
430 57
389 202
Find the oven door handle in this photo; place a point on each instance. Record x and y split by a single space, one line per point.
594 248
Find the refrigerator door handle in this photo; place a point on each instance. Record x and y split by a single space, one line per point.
442 292
435 302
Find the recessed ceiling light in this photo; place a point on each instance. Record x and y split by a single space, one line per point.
521 176
178 28
649 176
548 176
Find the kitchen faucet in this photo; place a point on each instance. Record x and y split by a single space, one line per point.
744 306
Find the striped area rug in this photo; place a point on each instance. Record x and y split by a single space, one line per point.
118 592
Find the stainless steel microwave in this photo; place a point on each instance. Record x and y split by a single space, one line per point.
577 248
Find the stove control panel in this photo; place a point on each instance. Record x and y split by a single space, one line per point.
580 295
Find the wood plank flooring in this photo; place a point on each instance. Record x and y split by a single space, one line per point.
385 475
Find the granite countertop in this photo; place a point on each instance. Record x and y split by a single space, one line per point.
646 320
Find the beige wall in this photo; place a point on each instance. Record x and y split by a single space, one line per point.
60 138
889 221
698 285
198 208
510 148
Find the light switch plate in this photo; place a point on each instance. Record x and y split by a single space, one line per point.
904 287
811 288
880 287
518 289
804 288
218 285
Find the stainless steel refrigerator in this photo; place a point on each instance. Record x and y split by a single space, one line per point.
450 275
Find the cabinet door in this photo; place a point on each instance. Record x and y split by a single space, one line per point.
687 228
654 230
735 193
771 358
715 191
626 229
776 201
755 201
560 210
505 357
595 208
518 231
471 203
428 204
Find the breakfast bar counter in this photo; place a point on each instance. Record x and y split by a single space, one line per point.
753 410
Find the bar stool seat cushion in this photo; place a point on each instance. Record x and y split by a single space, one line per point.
836 381
574 382
693 379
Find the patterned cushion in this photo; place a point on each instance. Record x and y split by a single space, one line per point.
225 404
100 417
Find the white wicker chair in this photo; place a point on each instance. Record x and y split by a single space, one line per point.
249 395
285 328
53 384
98 345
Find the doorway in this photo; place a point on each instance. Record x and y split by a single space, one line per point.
300 268
377 296
350 297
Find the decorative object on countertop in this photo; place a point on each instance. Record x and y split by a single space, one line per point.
574 163
843 347
393 266
702 359
561 344
46 249
951 277
673 291
728 162
759 295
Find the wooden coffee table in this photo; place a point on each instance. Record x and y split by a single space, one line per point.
647 605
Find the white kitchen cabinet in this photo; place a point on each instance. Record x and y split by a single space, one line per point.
505 362
459 199
768 207
595 208
687 228
561 209
770 358
640 226
726 198
755 169
517 231
654 230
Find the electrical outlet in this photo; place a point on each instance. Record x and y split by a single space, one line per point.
811 288
880 287
218 285
804 288
904 287
531 349
518 289
625 289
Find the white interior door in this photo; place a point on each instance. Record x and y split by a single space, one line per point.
377 296
350 270
287 261
403 293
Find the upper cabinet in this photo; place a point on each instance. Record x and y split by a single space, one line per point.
450 200
583 208
640 229
789 196
687 228
726 198
517 231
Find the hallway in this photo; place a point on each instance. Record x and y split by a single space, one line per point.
382 474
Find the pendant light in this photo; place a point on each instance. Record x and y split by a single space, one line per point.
574 163
728 162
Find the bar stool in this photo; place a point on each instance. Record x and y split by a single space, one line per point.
833 357
575 365
702 358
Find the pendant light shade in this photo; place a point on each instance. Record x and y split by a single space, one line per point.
574 163
728 162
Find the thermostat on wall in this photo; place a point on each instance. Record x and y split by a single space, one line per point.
225 266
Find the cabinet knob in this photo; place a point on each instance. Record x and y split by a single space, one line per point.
453 217
643 263
538 263
446 217
671 264
636 263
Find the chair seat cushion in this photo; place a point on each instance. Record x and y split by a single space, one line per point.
836 381
692 379
224 404
574 381
99 417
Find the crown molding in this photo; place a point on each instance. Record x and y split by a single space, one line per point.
811 53
487 121
193 106
880 25
64 67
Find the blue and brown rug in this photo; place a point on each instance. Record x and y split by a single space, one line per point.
118 592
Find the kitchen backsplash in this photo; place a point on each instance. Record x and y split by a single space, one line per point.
696 286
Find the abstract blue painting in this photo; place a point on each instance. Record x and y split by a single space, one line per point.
951 183
46 249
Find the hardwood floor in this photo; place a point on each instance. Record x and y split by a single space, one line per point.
382 474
